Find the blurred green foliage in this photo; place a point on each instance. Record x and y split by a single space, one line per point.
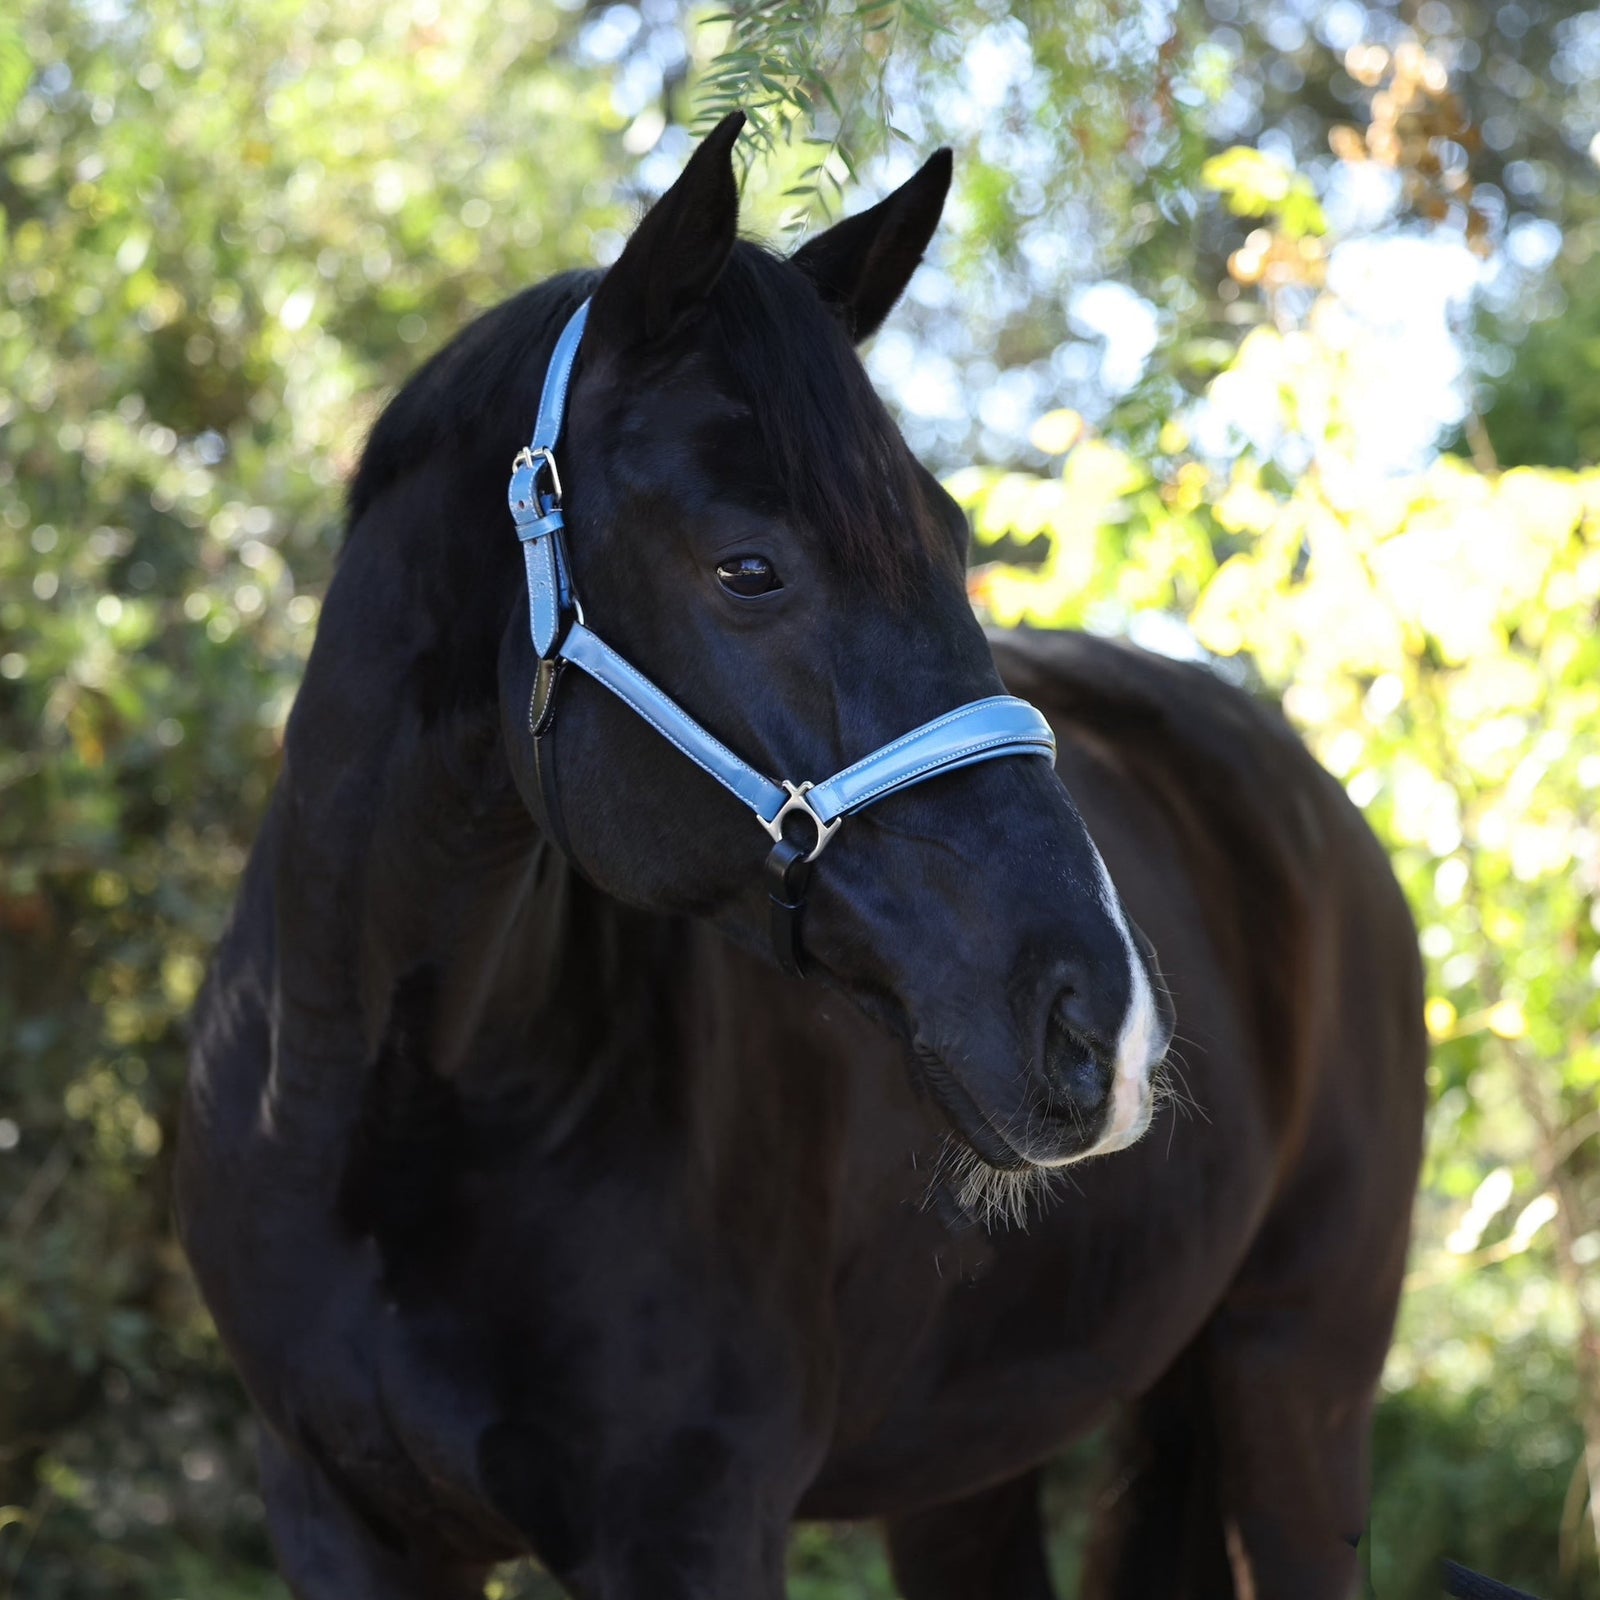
226 231
1433 634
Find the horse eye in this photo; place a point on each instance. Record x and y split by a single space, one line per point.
747 576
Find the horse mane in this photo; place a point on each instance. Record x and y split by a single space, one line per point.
840 461
485 381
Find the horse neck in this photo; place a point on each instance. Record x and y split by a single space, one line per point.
411 888
423 920
417 913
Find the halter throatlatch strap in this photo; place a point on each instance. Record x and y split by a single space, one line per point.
981 731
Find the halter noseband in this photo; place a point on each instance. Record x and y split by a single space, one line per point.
980 731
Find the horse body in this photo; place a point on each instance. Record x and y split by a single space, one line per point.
541 1222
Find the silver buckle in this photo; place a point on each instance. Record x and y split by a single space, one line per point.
533 460
797 802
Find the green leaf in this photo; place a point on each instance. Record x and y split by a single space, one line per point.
16 72
1248 179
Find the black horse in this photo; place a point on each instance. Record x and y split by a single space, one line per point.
542 1213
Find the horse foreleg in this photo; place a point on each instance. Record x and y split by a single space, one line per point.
685 1519
1289 1364
1246 1477
1157 1528
1292 1415
989 1546
327 1551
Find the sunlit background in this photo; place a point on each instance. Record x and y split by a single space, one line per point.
1267 333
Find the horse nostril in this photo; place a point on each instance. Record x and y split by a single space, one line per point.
1076 1068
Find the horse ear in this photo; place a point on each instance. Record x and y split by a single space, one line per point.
862 265
677 253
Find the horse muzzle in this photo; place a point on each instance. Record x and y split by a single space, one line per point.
1074 1079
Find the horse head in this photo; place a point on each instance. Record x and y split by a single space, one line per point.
746 526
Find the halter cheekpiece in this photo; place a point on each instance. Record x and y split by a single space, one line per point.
980 731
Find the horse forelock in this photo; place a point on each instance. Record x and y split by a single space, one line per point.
842 468
842 465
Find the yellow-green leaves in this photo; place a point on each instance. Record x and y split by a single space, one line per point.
1435 634
1255 184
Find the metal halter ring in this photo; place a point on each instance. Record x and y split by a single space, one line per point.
534 460
797 802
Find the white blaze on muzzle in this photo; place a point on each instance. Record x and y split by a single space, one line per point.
1140 1043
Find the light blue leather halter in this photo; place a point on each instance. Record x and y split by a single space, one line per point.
980 731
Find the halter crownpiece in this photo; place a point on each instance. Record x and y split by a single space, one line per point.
983 730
